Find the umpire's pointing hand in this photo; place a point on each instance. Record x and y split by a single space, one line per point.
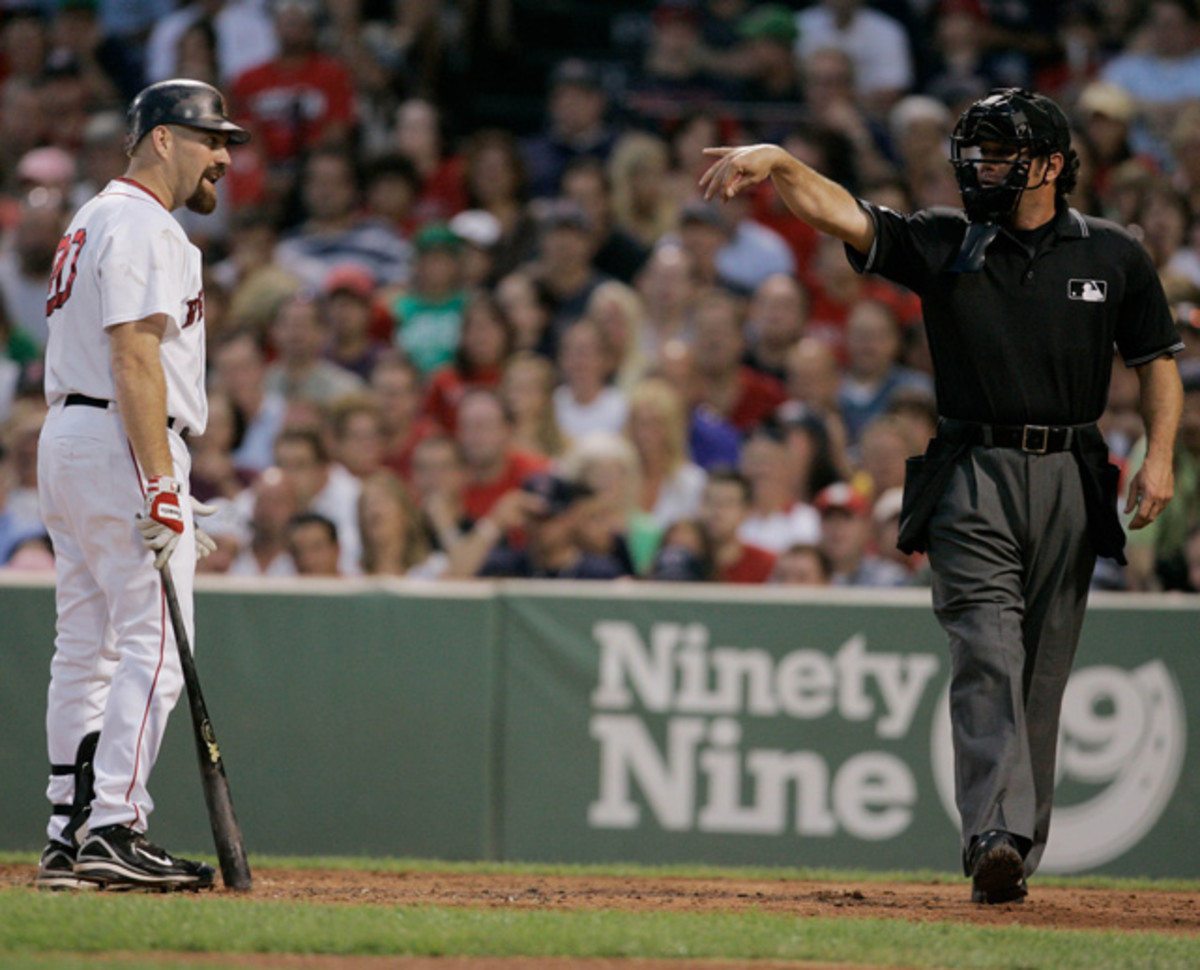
739 168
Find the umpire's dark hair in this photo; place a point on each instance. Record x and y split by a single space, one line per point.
314 518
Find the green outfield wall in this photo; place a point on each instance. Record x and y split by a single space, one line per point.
618 722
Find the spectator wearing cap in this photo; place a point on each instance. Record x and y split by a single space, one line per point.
300 371
25 266
1104 112
335 232
480 232
876 42
494 464
768 35
738 393
873 372
1164 77
576 126
566 247
776 518
801 565
347 307
703 233
549 509
846 537
485 344
429 315
724 508
885 518
615 252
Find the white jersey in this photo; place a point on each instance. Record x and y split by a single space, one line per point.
125 258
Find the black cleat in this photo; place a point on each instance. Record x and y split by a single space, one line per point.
56 868
997 869
119 858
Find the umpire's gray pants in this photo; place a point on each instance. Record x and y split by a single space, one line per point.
1011 561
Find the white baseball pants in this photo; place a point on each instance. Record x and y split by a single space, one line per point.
116 667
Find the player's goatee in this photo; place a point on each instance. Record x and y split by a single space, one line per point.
203 200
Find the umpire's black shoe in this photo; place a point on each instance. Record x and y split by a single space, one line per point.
56 868
117 857
997 869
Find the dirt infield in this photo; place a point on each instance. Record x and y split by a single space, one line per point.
1169 912
1058 908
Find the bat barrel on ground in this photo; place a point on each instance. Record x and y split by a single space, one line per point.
227 834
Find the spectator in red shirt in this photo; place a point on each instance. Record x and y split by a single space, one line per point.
740 394
494 466
301 99
723 509
484 345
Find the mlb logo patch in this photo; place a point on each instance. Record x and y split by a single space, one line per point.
1090 291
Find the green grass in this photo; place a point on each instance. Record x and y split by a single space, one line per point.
66 931
36 923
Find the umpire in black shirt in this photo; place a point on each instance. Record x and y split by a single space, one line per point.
1024 299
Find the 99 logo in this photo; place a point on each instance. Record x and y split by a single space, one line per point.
1121 743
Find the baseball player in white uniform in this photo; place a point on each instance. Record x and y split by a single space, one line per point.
125 385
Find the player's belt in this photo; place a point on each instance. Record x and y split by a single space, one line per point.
1034 439
88 401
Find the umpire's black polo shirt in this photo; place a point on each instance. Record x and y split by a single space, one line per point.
1028 339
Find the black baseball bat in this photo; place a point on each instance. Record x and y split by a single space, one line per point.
227 834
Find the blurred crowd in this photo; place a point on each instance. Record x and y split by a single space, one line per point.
468 314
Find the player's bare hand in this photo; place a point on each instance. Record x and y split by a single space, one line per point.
205 544
736 169
1149 492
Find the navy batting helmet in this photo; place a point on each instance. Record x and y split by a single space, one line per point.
180 102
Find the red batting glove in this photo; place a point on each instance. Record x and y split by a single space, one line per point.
161 519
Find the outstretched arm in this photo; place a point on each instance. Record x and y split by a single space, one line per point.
819 201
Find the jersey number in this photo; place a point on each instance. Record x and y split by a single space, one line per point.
68 247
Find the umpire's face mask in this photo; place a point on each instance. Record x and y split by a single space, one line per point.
992 176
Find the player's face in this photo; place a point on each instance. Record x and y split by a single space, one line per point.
204 157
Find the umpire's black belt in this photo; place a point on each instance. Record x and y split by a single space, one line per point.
1033 439
99 402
